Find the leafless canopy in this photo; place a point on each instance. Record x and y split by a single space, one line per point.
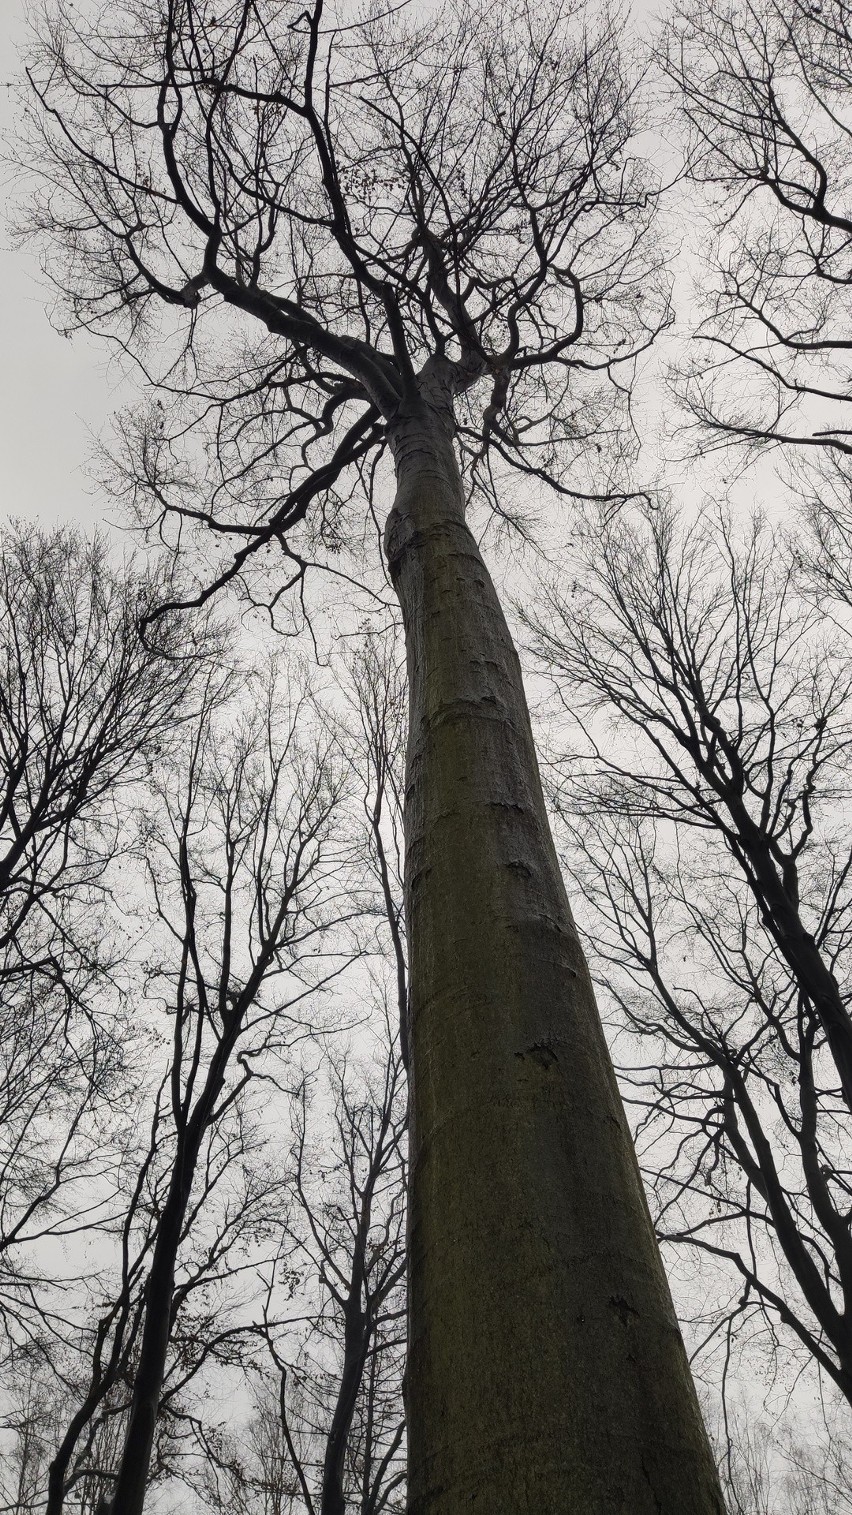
765 87
372 199
709 812
85 707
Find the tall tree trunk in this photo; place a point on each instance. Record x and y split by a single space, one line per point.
546 1372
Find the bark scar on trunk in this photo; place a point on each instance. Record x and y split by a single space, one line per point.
623 1310
542 1053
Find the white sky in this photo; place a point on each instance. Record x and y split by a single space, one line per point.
54 393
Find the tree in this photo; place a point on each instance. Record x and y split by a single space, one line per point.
373 739
764 89
28 1419
772 1470
710 798
432 243
327 1433
346 1234
244 883
330 1435
345 1440
818 1483
257 1477
85 704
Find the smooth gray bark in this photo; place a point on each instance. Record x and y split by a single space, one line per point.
546 1370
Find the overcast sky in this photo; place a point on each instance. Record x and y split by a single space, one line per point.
53 392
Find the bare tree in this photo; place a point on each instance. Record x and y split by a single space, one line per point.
709 803
745 1447
85 704
431 239
373 734
244 882
328 1435
346 1439
253 1474
816 1481
765 89
792 1468
27 1424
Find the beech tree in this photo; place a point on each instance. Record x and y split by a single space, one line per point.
426 244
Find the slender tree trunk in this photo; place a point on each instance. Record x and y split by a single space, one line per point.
356 1344
132 1481
783 917
546 1372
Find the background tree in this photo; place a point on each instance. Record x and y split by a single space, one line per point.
437 236
819 1484
242 1204
243 879
764 92
772 1470
327 1434
373 737
349 1228
28 1418
253 1474
85 704
707 795
765 89
346 1437
328 1430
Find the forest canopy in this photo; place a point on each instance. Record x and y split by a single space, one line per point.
408 1101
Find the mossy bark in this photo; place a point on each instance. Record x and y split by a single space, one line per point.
546 1372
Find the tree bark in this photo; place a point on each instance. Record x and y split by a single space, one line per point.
546 1372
